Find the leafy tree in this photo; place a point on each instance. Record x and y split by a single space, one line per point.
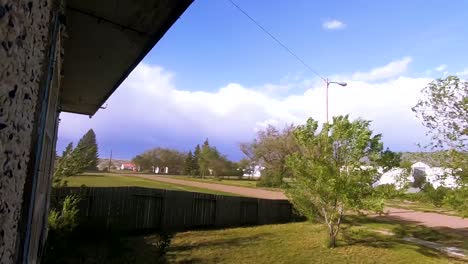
64 168
331 171
406 164
206 154
188 169
85 155
269 150
161 157
142 162
444 111
389 159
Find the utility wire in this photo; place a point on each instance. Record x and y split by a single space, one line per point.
277 40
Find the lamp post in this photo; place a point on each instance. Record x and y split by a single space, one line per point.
328 84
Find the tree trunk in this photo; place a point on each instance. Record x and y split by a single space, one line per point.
332 242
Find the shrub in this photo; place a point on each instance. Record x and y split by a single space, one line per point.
270 178
435 196
388 191
61 225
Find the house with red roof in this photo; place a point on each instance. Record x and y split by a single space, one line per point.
128 166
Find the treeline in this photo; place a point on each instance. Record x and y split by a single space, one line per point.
271 148
204 160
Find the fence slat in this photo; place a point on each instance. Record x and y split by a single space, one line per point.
137 208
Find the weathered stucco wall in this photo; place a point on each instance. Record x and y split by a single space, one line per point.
24 32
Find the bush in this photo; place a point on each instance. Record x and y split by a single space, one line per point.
435 196
270 178
62 223
388 191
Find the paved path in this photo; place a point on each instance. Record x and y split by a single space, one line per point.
434 220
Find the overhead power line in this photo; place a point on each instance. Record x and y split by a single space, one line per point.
276 40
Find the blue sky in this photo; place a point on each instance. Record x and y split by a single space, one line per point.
216 75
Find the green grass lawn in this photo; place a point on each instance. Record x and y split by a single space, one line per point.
299 243
115 180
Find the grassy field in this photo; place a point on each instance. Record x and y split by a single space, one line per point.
305 243
115 180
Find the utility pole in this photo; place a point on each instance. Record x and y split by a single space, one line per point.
110 161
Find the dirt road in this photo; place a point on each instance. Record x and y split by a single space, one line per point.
244 191
434 220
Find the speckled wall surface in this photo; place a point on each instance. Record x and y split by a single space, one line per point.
24 31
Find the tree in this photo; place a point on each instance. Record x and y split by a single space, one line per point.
188 169
334 171
444 111
196 157
206 154
64 168
85 155
269 150
389 159
209 160
161 157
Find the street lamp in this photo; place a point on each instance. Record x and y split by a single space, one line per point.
328 84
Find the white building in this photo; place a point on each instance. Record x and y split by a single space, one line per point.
436 176
255 173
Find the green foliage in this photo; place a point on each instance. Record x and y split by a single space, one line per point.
444 111
188 164
270 178
406 164
161 157
65 166
65 220
74 161
458 199
389 191
389 159
330 177
270 150
211 161
196 158
436 196
62 223
85 155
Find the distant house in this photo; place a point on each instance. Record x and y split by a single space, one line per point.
128 166
420 172
161 170
437 176
255 173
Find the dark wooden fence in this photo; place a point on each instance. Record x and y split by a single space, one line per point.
136 208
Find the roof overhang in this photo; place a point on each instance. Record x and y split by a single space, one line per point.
106 41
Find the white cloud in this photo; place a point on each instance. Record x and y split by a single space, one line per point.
333 24
463 74
148 111
392 69
441 67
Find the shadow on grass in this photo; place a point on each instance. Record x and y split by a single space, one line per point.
355 233
182 253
